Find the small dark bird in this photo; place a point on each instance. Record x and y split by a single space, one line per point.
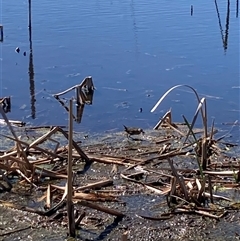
133 131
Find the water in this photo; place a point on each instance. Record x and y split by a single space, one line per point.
134 50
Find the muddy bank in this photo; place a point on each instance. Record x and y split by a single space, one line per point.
143 207
98 226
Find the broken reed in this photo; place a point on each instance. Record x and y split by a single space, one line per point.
203 142
84 95
70 206
203 151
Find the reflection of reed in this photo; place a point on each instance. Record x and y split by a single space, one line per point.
135 29
1 33
237 8
225 43
31 67
224 38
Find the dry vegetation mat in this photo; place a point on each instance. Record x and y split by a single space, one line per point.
189 168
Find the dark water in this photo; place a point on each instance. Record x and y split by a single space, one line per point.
134 50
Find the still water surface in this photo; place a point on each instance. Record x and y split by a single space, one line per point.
134 50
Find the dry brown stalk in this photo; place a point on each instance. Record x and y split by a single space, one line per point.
162 191
57 145
203 213
125 236
58 187
86 81
94 197
160 157
14 122
66 91
7 168
42 150
3 188
101 208
32 210
202 189
70 206
15 230
163 140
165 156
95 185
167 118
165 217
204 156
79 219
49 197
12 158
174 127
207 214
173 187
179 180
222 173
5 179
160 173
106 160
124 159
131 179
210 187
26 178
20 150
206 194
42 127
41 161
47 173
44 137
84 95
77 148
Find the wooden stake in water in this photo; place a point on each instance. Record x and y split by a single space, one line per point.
70 207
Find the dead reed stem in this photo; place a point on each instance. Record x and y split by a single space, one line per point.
70 206
19 146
